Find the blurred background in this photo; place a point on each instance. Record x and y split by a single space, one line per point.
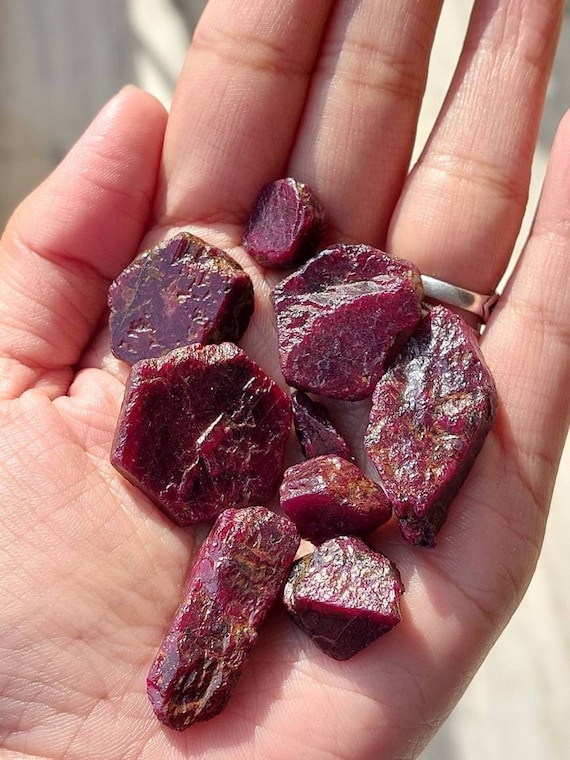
60 60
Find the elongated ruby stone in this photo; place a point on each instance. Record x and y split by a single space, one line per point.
315 429
239 572
201 429
431 413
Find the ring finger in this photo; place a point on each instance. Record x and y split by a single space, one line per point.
358 127
461 208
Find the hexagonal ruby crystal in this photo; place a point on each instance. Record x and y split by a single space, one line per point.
341 317
430 415
179 292
201 429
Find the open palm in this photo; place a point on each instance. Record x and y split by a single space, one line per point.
91 570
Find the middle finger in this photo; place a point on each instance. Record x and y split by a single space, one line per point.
358 128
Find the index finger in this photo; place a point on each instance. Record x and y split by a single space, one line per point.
236 106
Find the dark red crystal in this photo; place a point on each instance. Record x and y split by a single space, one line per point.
179 292
285 225
239 572
344 596
315 430
430 415
341 317
328 496
201 429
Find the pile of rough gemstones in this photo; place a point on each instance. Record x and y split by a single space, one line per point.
203 430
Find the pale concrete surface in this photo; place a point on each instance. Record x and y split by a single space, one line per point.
59 62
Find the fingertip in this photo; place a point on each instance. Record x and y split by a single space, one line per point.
76 232
100 196
561 143
129 98
553 213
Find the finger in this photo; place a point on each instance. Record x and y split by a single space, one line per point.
236 106
462 207
71 237
358 128
530 336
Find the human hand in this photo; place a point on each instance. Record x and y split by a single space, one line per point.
92 570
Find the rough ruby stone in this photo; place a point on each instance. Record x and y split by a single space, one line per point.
328 496
315 430
201 429
179 292
430 415
239 572
341 317
285 225
344 596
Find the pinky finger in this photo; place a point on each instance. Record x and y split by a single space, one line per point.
528 343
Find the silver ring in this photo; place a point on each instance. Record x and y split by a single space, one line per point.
479 304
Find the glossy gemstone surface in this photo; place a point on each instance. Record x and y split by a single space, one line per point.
179 292
341 317
201 429
328 496
344 596
315 429
239 572
285 225
430 415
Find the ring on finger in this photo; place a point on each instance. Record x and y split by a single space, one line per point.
479 304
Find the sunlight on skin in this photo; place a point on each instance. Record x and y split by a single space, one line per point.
93 571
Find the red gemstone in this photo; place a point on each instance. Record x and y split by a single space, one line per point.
342 316
201 429
328 496
315 430
179 292
344 596
239 572
285 226
430 415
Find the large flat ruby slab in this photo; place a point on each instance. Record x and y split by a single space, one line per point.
328 496
179 292
344 596
285 225
201 429
239 572
430 415
341 316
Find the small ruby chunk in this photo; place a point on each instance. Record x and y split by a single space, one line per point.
344 596
430 415
328 496
238 574
342 316
285 225
179 292
201 429
315 429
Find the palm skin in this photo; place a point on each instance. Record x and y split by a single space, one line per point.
92 572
